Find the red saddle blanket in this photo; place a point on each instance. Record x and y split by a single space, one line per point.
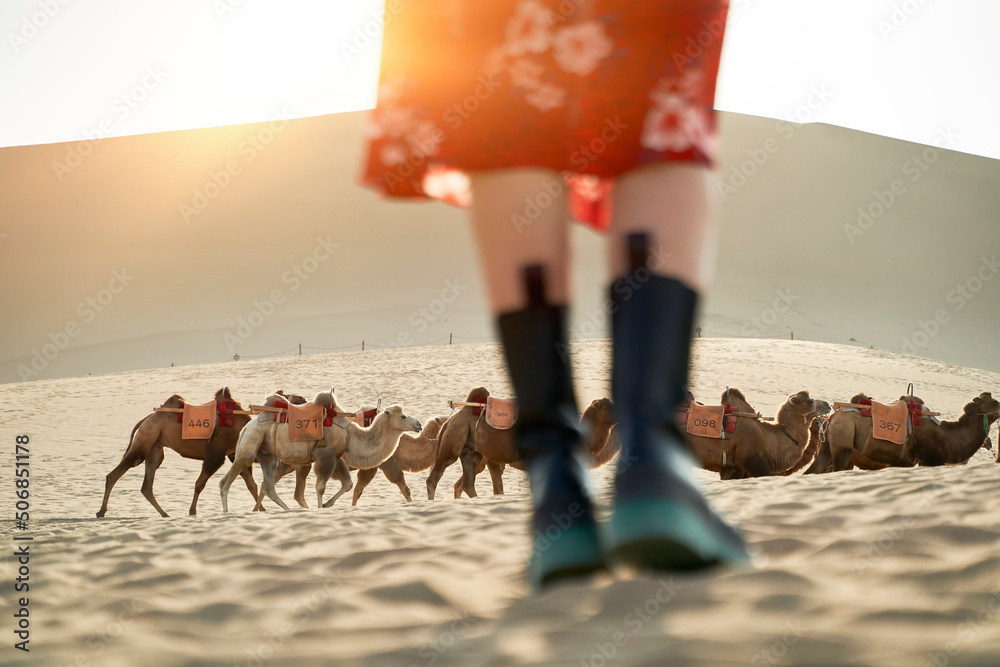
198 421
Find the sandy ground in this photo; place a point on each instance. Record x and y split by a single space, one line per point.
897 567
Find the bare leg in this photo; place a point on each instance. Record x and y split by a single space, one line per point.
153 460
670 202
507 244
342 473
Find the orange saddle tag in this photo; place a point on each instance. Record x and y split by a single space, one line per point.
889 422
305 422
501 413
705 420
198 421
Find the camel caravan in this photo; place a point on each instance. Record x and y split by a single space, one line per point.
286 433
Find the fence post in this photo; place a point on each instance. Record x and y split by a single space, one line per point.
300 349
449 338
793 335
362 346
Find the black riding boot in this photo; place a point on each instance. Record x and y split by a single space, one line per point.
660 518
563 530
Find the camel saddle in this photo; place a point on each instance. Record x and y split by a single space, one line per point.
705 420
890 422
225 413
198 421
501 413
728 418
305 422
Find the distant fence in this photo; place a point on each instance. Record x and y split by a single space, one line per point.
450 339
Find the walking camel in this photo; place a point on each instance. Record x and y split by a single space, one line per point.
343 444
163 429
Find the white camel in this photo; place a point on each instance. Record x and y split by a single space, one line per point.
343 444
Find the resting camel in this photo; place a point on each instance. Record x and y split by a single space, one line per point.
759 448
343 444
162 429
954 442
479 446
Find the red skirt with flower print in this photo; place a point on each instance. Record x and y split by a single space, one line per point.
589 88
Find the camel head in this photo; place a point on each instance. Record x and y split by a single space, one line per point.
805 406
174 401
736 398
984 404
600 411
294 399
397 419
478 391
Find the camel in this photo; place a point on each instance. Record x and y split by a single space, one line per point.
955 442
849 443
759 448
708 451
415 453
479 446
343 444
162 429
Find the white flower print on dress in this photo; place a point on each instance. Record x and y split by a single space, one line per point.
447 185
546 97
528 30
675 121
579 49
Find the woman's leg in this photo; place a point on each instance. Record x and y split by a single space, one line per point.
662 251
520 221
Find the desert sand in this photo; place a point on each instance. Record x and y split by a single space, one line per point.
896 567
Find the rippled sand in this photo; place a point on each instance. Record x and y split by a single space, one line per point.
897 567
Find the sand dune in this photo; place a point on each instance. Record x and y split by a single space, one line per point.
350 267
896 567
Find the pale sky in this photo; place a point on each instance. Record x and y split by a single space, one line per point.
69 69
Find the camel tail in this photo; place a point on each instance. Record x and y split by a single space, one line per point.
132 436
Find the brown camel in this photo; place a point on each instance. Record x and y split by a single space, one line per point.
479 446
759 448
954 442
849 443
163 429
708 451
416 452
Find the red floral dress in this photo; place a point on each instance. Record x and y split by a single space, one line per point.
589 88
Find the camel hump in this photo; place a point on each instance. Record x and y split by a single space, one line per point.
478 391
223 395
733 392
857 398
175 401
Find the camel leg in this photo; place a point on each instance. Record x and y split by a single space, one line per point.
129 461
470 461
212 462
365 476
153 460
394 474
496 474
247 448
268 464
248 479
301 473
342 473
437 471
